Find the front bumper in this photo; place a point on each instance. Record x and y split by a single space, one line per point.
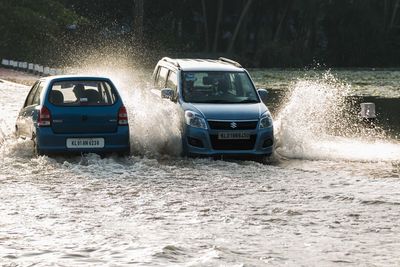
205 143
49 142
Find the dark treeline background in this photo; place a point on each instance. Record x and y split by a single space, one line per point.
259 33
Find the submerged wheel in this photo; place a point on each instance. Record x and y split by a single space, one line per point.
264 159
36 150
125 153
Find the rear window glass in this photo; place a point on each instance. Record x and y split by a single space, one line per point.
82 93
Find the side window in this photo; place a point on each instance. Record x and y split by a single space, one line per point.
172 81
31 94
162 77
36 98
107 95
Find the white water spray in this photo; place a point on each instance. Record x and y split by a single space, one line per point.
155 123
316 124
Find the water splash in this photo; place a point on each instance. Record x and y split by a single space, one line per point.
319 123
155 124
2 134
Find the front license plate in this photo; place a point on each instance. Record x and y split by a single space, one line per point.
233 135
85 142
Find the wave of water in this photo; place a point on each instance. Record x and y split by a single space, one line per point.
2 134
317 122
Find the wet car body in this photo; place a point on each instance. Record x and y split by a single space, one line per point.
237 123
74 114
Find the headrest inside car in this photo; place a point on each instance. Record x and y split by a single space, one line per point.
56 97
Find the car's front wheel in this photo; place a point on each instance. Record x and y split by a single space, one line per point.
264 159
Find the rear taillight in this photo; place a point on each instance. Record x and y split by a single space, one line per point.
122 116
44 118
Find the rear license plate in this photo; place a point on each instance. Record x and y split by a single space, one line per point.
85 142
233 135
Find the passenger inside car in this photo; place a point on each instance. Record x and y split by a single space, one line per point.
80 94
189 87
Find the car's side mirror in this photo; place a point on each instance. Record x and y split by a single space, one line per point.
168 93
263 93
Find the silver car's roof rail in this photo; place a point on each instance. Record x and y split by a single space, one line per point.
230 61
170 60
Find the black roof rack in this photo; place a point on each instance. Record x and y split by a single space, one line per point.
170 60
230 61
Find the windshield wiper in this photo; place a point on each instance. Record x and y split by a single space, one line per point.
218 101
248 101
222 101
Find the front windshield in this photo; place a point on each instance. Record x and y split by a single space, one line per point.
218 87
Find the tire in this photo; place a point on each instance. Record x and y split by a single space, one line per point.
264 159
36 151
125 153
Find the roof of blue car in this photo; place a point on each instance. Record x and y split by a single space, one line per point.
73 76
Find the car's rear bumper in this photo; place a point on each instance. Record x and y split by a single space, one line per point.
49 142
262 145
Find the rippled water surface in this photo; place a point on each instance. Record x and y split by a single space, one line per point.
330 196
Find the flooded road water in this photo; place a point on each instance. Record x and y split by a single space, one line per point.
330 196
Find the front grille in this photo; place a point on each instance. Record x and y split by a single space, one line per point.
232 144
238 125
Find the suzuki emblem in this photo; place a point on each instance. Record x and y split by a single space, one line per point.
233 125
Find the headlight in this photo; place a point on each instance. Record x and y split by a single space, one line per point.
195 120
266 121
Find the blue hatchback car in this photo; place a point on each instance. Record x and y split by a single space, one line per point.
224 113
74 114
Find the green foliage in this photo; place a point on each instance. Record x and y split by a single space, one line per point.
32 30
285 33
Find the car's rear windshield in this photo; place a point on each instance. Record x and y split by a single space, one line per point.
82 93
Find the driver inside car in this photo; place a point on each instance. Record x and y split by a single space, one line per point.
222 88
